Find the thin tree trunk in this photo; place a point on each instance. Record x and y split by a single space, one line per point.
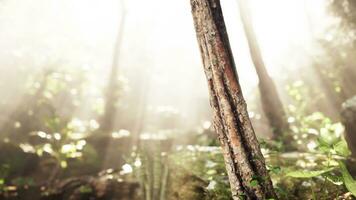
164 181
108 119
271 103
244 161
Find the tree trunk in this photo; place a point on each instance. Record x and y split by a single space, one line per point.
349 120
244 161
108 119
271 103
348 116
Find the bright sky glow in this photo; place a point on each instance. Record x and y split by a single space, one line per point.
159 37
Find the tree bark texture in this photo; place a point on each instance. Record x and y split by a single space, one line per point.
271 103
244 161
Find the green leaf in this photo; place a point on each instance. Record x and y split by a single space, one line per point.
274 169
350 183
342 149
211 172
253 183
85 189
336 180
326 136
307 174
323 146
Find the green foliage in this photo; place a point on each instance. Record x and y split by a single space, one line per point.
342 149
312 130
4 172
314 170
349 181
330 152
85 189
206 163
23 181
197 172
254 183
150 167
66 140
307 173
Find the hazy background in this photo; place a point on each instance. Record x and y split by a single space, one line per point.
158 43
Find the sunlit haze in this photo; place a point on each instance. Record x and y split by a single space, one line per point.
140 99
158 38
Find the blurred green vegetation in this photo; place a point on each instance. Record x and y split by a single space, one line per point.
45 139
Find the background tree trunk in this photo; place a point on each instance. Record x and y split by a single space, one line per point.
244 161
271 103
107 121
112 90
348 116
349 120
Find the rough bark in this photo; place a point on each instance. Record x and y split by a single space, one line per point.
244 161
271 103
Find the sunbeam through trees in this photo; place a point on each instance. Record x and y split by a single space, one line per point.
177 100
